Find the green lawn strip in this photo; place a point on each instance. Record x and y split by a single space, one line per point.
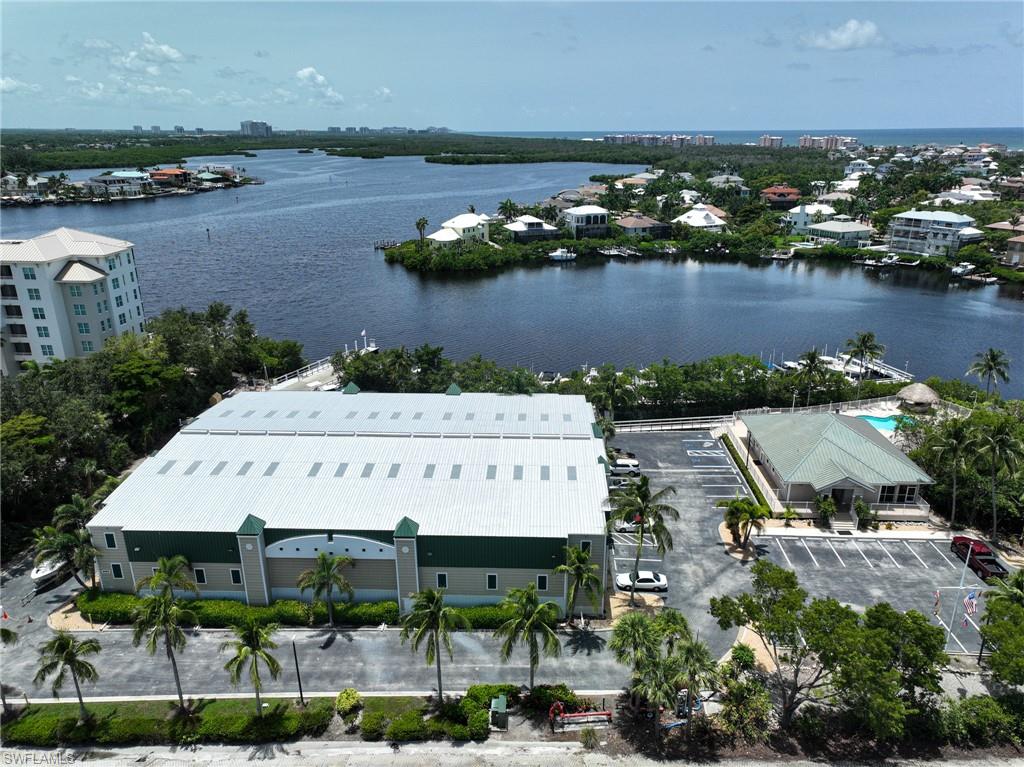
152 722
744 471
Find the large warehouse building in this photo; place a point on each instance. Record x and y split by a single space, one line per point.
473 493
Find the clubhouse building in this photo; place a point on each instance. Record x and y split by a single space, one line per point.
472 493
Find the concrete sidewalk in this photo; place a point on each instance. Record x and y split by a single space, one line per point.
880 535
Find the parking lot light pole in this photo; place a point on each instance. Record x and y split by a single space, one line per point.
295 656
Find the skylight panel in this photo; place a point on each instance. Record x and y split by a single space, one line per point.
351 414
469 416
499 416
545 473
417 416
270 414
166 467
226 413
393 471
374 414
567 417
456 471
446 417
314 414
522 416
492 472
218 468
248 413
517 472
245 468
314 469
543 416
367 470
428 472
271 469
340 471
292 414
395 416
571 471
192 468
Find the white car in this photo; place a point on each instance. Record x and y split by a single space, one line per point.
622 526
628 466
646 580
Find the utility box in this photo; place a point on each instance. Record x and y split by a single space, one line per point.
499 713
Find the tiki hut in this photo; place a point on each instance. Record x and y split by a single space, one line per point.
917 396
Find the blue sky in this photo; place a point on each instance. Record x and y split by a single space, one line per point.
513 66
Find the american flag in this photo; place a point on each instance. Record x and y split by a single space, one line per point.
971 603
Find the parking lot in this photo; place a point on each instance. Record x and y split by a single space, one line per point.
856 571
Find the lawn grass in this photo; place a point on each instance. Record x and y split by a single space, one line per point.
392 706
153 722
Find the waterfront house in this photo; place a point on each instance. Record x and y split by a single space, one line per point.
779 196
65 293
728 181
845 234
1007 226
207 178
803 456
1011 188
638 225
931 232
700 217
472 494
586 220
835 197
530 228
1015 251
33 187
119 183
443 238
803 215
171 177
858 166
470 226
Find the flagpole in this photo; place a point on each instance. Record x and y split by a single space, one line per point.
963 577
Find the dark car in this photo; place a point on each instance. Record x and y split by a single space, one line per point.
982 559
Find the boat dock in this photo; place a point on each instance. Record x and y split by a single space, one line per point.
385 244
319 375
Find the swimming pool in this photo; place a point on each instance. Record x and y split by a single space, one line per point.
887 424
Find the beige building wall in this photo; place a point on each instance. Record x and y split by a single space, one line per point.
218 578
468 585
599 557
254 569
106 556
406 570
284 572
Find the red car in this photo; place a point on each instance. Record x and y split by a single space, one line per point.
982 559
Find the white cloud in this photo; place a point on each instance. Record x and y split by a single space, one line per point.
315 82
848 36
119 89
149 58
382 93
13 85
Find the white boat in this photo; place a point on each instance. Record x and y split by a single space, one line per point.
46 571
891 260
869 262
964 267
562 254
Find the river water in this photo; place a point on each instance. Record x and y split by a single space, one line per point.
298 253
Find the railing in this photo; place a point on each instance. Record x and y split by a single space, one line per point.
673 424
767 490
310 369
831 407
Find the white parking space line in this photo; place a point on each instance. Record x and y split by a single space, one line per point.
911 550
631 559
716 484
863 554
951 633
941 554
890 555
835 552
804 541
784 552
731 495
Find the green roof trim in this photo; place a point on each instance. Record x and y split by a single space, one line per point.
350 388
407 528
453 390
821 449
597 430
252 525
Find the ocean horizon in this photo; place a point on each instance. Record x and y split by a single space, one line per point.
1013 137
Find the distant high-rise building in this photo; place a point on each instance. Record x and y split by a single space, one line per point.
334 129
363 129
257 129
702 140
827 142
770 141
137 128
179 128
199 131
154 128
351 129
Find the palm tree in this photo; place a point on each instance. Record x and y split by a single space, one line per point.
159 618
1002 450
421 227
731 516
635 640
324 577
431 620
863 346
648 511
252 645
991 366
583 577
673 627
955 439
64 655
7 638
696 669
812 370
90 471
75 549
171 573
508 209
530 624
72 516
1009 589
656 683
743 515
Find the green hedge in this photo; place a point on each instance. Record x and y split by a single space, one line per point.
758 495
220 613
487 616
404 719
150 722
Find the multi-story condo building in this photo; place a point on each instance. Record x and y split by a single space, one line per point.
257 129
179 128
931 232
63 294
774 142
827 142
154 128
137 128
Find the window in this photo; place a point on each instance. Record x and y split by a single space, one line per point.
585 546
47 350
12 311
80 310
17 329
116 571
111 264
886 493
75 290
118 301
43 331
442 580
200 575
34 294
22 348
8 291
492 581
103 326
128 256
110 541
99 307
84 329
5 271
38 313
28 272
542 583
87 346
135 293
122 319
236 576
95 289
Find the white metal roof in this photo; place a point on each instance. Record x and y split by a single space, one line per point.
61 243
200 480
936 215
79 271
466 221
586 210
444 235
699 216
840 227
815 207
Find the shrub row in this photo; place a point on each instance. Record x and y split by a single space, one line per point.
220 613
150 722
467 718
758 495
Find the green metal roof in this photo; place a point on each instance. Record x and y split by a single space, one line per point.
596 428
454 390
251 525
821 449
407 528
350 388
